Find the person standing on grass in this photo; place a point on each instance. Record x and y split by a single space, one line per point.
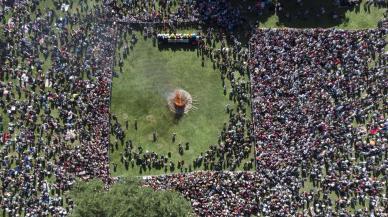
154 136
173 137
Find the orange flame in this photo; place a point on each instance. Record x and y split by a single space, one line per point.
179 101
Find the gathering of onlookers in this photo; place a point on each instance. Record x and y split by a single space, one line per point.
310 104
55 92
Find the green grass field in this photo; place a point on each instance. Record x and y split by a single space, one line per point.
349 18
149 75
140 93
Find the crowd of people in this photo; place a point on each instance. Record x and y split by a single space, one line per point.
319 104
153 12
318 100
221 13
214 193
55 93
319 109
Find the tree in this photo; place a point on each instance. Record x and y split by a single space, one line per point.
125 199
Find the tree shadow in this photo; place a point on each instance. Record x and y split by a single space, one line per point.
313 14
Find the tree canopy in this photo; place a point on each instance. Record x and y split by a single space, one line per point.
126 198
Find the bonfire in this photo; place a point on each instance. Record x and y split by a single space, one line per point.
180 102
